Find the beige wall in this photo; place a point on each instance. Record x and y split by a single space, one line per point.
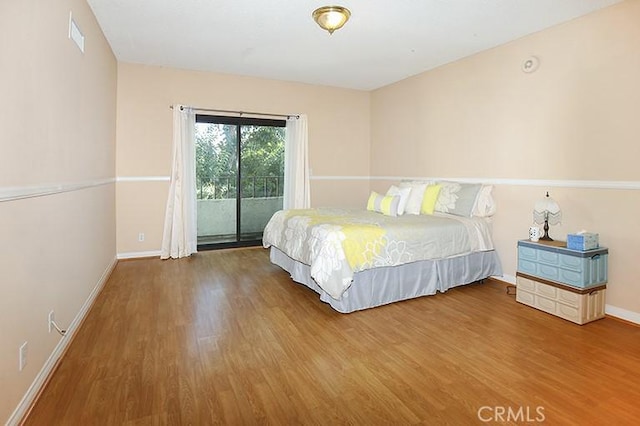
480 117
57 128
575 118
338 137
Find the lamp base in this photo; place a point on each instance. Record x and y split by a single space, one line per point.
546 236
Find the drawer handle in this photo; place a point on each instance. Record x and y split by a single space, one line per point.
595 256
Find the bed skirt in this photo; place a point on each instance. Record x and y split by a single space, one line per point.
380 286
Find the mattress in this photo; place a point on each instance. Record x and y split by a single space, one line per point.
336 244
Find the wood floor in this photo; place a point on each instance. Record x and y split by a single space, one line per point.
225 337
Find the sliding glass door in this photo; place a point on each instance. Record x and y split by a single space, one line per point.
239 178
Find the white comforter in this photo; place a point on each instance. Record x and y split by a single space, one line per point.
338 243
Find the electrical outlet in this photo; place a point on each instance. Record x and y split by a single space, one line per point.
52 318
141 237
22 356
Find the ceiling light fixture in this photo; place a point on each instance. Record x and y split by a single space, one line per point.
331 18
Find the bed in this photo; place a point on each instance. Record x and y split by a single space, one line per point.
359 259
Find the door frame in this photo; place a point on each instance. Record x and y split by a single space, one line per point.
238 122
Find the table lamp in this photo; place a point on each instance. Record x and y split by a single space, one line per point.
547 211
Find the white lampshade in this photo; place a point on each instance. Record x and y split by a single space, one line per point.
547 209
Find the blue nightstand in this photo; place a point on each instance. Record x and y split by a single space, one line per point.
570 284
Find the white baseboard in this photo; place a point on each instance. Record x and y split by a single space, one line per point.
138 254
509 279
624 314
34 390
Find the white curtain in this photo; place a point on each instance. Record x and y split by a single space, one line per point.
180 227
296 165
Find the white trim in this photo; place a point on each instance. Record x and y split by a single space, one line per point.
597 184
32 191
509 279
339 177
624 314
143 179
592 184
41 378
587 184
138 254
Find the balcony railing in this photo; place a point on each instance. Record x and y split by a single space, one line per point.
224 187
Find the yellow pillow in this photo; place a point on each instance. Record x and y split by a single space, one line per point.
429 199
386 205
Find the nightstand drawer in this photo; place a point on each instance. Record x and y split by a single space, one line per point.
527 285
545 304
546 290
528 253
591 273
572 304
568 312
568 298
527 266
571 262
548 272
525 297
553 261
548 257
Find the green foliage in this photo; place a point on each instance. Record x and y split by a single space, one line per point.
262 159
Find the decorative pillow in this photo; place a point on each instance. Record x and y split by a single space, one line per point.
414 202
429 199
403 193
485 204
386 205
457 198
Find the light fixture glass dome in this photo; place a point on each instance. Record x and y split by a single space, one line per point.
331 18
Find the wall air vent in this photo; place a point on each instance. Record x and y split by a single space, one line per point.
75 34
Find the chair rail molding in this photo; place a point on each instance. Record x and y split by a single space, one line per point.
143 179
558 183
32 191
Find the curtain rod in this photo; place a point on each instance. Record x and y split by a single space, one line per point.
241 113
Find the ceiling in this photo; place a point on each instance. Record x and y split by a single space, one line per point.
383 42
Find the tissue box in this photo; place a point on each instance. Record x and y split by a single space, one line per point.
584 241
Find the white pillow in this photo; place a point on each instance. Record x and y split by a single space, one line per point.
403 193
485 204
414 203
